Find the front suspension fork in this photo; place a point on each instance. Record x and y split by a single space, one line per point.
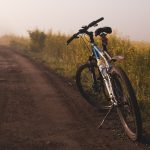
108 83
109 87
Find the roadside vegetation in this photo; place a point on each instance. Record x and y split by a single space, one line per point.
51 49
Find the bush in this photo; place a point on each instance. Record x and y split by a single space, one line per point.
37 40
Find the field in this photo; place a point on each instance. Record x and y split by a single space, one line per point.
51 49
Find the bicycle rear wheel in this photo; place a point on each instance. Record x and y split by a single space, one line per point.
93 91
128 109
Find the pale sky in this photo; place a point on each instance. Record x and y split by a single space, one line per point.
131 18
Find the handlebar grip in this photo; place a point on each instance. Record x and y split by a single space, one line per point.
69 40
100 19
74 36
95 22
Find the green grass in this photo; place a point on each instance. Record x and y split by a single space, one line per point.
66 59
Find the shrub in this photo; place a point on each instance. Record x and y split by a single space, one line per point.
37 40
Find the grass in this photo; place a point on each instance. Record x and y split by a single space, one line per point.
66 59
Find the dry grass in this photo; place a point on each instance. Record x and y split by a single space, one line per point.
65 60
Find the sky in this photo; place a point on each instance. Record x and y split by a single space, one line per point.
130 18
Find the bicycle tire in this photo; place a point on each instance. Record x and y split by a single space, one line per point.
97 99
128 104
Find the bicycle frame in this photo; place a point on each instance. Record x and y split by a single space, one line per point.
104 70
111 78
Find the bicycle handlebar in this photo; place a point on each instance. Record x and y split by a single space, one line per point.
95 22
84 30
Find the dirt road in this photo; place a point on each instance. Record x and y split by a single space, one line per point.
40 111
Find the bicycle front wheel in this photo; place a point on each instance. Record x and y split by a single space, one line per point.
90 84
128 109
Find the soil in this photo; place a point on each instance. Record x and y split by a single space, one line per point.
41 111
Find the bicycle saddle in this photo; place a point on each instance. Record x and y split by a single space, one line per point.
99 31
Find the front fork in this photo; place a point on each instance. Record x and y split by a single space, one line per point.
108 83
106 78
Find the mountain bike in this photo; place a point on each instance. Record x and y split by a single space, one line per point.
105 85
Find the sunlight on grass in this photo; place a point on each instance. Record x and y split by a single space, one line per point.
53 52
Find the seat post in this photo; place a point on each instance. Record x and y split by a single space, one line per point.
104 41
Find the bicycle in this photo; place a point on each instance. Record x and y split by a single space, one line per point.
107 86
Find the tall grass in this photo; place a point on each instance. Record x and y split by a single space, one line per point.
14 41
66 59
